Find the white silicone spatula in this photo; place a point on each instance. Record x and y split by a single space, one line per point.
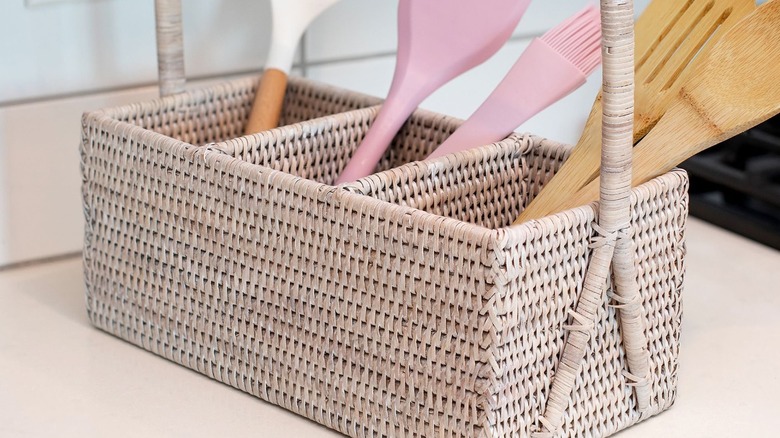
290 20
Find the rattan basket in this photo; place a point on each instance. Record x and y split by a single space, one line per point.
399 305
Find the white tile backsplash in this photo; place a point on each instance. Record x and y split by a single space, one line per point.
371 76
353 28
545 14
99 51
76 47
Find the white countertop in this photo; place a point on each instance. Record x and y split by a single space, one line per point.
59 376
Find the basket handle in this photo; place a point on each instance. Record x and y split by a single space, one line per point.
170 46
612 242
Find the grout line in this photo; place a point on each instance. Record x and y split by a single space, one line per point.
524 36
369 56
128 87
41 261
93 91
304 65
354 58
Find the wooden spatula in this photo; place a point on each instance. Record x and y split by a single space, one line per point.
733 89
669 34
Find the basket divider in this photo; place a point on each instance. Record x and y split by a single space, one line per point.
170 46
612 241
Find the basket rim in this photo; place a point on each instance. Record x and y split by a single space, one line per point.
508 235
222 154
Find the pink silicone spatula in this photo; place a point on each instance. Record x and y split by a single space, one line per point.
437 41
550 68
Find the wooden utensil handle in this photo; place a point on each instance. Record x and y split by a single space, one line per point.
267 106
580 168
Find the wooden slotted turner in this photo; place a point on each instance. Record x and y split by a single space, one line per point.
732 90
669 34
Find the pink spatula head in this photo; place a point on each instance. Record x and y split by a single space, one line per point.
550 68
437 41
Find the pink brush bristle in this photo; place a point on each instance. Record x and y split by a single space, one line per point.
578 39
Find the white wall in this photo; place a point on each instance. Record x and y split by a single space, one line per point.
81 46
59 58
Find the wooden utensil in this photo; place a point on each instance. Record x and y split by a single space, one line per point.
669 34
290 18
732 90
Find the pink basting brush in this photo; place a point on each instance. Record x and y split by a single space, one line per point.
437 41
550 68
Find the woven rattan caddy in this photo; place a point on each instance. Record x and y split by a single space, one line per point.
399 305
